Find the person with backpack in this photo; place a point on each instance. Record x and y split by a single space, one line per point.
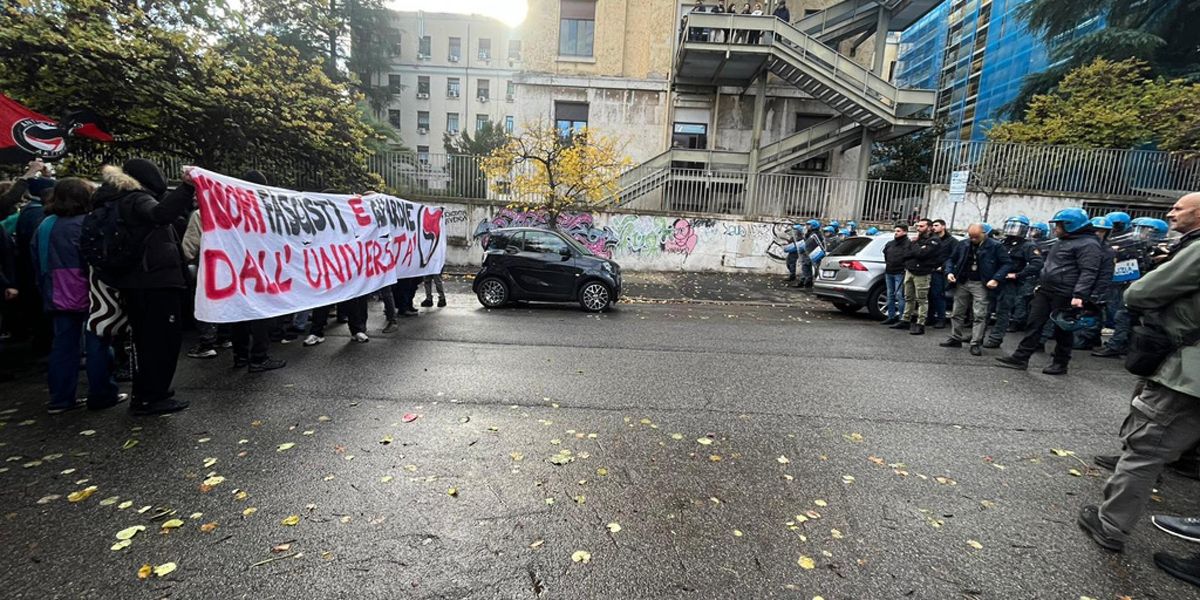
133 242
63 282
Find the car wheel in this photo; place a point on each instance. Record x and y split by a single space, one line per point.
877 302
493 292
846 307
594 296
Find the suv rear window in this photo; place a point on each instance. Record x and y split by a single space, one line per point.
852 245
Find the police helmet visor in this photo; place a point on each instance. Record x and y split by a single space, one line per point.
1147 233
1015 228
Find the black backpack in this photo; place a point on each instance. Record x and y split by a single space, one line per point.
107 244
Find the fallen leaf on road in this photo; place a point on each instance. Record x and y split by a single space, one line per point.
714 458
215 480
121 545
208 527
249 511
581 556
945 481
737 533
974 544
452 492
324 418
853 437
285 446
129 532
408 417
704 441
387 439
848 478
290 521
783 460
677 436
164 569
580 499
209 462
1075 473
806 562
1058 452
48 499
537 544
172 524
144 572
820 502
281 548
614 527
109 501
837 535
602 472
88 432
385 479
81 495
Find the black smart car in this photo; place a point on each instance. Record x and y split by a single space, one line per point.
525 263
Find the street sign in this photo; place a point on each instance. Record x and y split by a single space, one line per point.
958 185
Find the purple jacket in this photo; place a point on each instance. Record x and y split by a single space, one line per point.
61 272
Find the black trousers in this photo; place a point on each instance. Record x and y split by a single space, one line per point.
251 339
354 310
1040 308
404 292
156 323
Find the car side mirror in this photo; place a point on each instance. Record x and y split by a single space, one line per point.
565 253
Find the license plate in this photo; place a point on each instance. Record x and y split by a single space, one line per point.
828 273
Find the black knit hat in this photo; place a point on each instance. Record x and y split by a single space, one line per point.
146 173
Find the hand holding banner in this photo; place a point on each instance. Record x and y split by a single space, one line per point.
269 251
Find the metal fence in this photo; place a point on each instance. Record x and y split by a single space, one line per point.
1096 172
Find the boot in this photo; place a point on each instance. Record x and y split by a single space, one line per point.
951 343
902 325
1012 363
1089 521
441 302
790 278
1187 569
1107 352
161 407
1056 368
991 344
940 324
916 329
890 321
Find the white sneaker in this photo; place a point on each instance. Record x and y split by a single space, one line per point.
313 340
361 338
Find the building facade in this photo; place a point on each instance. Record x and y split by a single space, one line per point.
451 73
976 53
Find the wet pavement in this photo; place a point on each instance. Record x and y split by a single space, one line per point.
657 451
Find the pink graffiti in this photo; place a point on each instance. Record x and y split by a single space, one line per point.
580 226
682 239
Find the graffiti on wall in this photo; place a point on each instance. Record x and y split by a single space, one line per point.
579 226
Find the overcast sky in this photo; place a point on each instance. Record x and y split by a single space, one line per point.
511 12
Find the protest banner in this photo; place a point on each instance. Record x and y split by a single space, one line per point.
268 251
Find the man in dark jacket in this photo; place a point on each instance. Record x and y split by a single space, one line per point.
937 279
1068 281
782 12
977 266
895 253
921 262
1089 338
153 291
1027 262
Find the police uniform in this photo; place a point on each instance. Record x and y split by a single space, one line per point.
1027 261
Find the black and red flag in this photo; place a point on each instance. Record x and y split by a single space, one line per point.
26 135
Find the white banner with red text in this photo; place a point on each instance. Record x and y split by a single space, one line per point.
268 251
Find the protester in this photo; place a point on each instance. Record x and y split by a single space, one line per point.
430 282
152 289
32 320
1067 282
206 346
1164 417
252 339
976 267
1027 262
388 296
895 253
922 260
405 291
937 279
62 278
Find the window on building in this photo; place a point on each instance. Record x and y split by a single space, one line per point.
510 91
576 27
452 87
485 49
394 84
514 49
570 117
394 118
395 48
423 154
690 135
481 121
508 124
423 120
452 123
424 47
423 86
455 49
484 89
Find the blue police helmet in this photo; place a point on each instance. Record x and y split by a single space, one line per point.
1042 227
815 224
1072 219
798 226
843 231
987 229
1147 228
834 223
873 231
1102 223
1118 218
852 224
1074 319
828 229
1017 226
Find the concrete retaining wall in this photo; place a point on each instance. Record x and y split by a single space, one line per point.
639 242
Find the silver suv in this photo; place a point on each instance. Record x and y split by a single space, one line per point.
851 277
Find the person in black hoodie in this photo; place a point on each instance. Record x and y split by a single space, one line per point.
152 291
895 253
924 257
1069 280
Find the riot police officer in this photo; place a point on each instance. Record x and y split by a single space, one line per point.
1120 223
1135 252
1027 262
1067 280
1089 337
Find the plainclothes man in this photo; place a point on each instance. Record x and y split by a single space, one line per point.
1164 416
921 262
977 267
895 253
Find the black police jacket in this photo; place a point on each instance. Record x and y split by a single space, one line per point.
1026 256
1072 266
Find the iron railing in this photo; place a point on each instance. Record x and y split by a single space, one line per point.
1095 172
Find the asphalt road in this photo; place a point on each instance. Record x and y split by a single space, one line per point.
701 431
